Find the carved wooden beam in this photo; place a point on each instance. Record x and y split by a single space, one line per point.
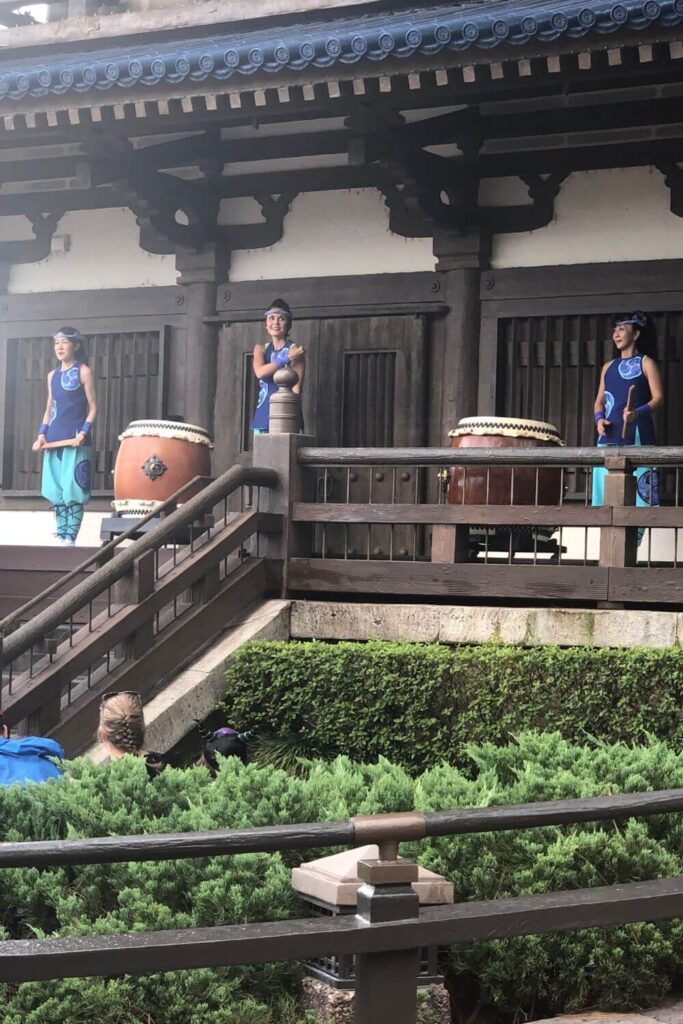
525 217
260 236
673 179
37 248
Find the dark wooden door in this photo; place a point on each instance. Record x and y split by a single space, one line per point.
365 386
237 388
372 386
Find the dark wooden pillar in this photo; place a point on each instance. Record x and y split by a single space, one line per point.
200 275
454 371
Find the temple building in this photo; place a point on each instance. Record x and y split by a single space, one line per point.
455 200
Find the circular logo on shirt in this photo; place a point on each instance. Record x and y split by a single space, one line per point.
629 368
609 404
71 379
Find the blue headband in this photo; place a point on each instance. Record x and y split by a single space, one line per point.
637 319
73 336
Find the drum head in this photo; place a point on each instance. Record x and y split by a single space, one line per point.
167 428
137 507
507 426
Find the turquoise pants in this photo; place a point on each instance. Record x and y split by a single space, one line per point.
67 484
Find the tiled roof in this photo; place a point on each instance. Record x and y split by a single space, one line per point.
388 37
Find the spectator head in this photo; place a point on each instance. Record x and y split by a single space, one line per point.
122 723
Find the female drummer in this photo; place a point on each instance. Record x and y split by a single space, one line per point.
69 415
630 390
270 357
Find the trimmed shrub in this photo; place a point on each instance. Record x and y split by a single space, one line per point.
420 704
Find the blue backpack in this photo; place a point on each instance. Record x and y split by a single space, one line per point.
27 760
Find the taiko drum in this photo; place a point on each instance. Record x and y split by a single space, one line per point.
498 485
156 458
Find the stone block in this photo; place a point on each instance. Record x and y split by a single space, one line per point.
346 620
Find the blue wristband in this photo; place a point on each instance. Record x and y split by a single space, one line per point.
281 358
43 428
643 408
85 429
597 416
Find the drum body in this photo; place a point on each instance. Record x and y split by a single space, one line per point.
155 459
501 485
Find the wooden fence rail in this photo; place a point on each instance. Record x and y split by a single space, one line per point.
385 935
378 521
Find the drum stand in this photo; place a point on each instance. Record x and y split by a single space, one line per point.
114 525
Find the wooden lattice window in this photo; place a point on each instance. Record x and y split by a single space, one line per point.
549 369
369 384
129 370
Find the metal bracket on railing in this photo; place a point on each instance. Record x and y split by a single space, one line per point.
388 830
386 981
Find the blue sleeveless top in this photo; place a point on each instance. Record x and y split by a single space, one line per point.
268 387
69 404
620 375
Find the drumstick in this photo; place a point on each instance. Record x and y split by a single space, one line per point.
630 403
69 443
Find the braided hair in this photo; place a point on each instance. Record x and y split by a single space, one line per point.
122 723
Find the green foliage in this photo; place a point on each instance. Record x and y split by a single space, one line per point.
420 704
613 968
623 967
100 899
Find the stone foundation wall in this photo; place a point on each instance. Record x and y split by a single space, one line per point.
460 624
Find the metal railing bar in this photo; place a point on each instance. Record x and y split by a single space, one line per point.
231 945
183 845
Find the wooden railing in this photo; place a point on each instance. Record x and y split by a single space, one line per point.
377 521
358 522
385 935
161 598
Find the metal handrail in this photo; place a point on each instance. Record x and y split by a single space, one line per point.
637 456
23 638
372 828
103 553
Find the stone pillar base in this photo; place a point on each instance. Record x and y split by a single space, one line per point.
335 1005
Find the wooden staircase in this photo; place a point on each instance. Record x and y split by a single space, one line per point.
137 610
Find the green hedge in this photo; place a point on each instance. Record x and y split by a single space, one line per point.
614 968
420 704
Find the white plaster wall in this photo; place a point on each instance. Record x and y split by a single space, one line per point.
104 253
600 217
335 234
